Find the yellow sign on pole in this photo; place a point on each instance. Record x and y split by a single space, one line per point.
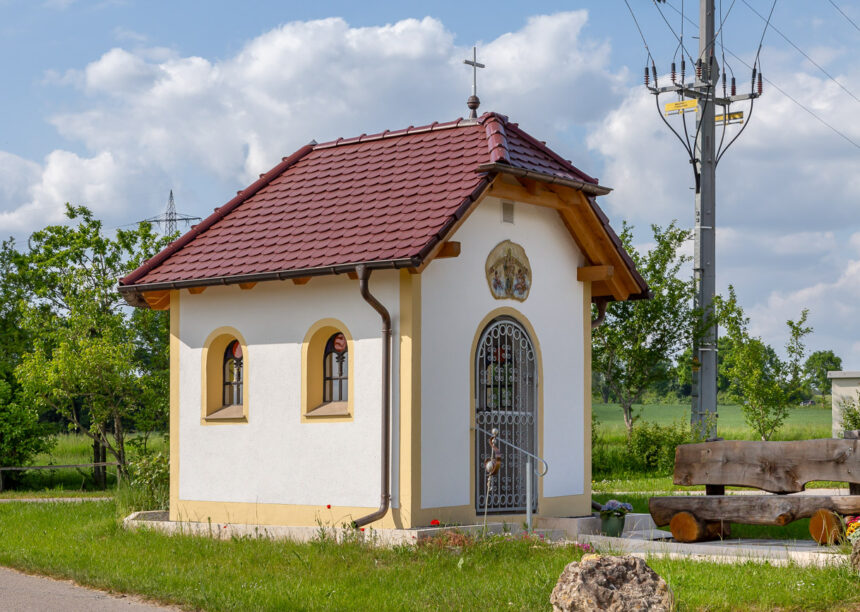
737 117
673 108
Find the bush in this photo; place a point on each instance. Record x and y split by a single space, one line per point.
22 437
652 446
148 484
850 413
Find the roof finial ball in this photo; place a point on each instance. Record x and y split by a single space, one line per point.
474 102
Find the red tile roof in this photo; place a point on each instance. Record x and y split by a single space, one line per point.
385 199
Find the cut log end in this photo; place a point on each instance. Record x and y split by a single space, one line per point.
685 527
825 527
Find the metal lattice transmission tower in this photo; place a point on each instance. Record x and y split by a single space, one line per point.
702 96
170 220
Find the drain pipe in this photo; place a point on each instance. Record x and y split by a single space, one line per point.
363 278
601 313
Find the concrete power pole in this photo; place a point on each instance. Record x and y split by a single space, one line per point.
704 409
701 95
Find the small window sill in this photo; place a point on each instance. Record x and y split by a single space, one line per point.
227 414
330 409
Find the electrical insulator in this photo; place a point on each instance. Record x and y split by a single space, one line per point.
752 85
647 77
654 74
683 70
724 83
699 69
759 84
734 87
673 72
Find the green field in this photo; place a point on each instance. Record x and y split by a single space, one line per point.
804 422
83 542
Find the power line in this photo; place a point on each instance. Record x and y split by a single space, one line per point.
780 90
675 34
851 21
804 54
764 31
636 21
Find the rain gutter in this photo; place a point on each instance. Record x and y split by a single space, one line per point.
133 293
385 468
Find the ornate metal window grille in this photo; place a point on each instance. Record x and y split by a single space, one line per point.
233 374
335 369
506 399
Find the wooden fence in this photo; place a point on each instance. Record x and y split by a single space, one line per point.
57 467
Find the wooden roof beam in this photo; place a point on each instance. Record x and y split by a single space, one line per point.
543 197
594 273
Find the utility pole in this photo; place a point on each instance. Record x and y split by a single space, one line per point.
705 153
703 415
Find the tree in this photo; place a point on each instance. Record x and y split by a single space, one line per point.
638 338
816 367
21 435
764 385
14 294
89 363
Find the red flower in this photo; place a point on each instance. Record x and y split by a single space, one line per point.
328 506
362 528
434 523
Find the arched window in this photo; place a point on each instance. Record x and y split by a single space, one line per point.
328 373
336 369
233 374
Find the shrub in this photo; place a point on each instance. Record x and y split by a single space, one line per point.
652 446
148 484
850 413
21 435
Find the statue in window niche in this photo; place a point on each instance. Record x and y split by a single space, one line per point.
509 272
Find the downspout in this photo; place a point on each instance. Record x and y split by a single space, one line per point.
601 313
363 277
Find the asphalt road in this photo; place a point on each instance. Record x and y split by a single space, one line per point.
21 592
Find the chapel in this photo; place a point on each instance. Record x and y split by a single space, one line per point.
346 332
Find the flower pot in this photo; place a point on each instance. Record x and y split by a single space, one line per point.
612 525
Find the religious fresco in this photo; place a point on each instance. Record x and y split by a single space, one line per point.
508 271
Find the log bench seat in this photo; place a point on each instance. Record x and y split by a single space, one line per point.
777 467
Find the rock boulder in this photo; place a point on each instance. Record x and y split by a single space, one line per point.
610 584
855 556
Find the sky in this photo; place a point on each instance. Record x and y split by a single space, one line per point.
112 103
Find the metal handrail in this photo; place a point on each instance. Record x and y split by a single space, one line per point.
514 446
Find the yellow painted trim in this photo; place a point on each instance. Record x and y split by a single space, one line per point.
523 320
586 398
277 514
313 347
174 404
410 398
211 366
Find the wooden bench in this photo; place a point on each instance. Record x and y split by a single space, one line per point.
776 467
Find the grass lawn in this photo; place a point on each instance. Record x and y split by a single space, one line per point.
83 542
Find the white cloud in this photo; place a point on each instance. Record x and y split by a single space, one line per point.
151 112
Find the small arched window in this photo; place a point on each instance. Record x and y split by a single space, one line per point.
336 369
233 374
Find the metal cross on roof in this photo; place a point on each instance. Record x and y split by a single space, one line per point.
474 102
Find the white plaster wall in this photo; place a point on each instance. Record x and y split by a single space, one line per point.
275 458
455 298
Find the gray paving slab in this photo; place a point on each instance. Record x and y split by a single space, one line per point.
20 592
